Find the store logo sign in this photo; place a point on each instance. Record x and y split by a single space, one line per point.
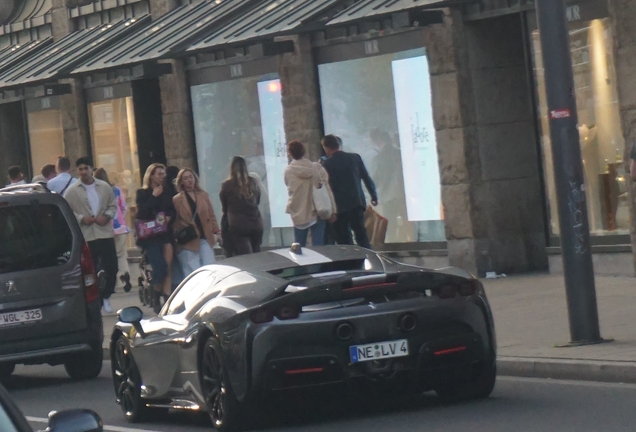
109 93
236 70
371 47
574 13
560 114
46 103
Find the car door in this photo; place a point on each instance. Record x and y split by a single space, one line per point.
157 353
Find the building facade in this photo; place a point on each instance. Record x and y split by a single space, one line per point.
444 102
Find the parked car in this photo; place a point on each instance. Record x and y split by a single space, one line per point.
49 298
12 419
235 331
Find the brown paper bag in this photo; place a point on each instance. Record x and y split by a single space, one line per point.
376 226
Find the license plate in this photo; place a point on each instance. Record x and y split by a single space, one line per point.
21 317
378 351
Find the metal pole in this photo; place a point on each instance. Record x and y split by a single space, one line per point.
568 172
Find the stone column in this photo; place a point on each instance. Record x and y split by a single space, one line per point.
623 16
487 146
178 131
300 93
73 106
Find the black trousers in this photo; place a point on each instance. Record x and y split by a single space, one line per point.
348 221
104 256
245 244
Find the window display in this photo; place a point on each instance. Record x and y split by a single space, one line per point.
244 117
601 138
381 108
46 137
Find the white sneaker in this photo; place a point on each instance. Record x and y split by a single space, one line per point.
107 307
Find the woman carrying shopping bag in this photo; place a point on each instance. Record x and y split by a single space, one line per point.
311 203
196 227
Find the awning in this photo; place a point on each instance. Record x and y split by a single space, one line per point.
15 54
27 14
367 9
62 56
266 19
162 37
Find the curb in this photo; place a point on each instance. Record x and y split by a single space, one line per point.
566 369
553 368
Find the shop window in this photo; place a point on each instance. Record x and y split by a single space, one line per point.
601 138
381 108
244 117
114 140
46 137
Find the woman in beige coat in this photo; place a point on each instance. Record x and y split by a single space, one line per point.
301 176
194 208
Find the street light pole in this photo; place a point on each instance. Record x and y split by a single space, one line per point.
568 171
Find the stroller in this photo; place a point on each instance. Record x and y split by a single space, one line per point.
145 282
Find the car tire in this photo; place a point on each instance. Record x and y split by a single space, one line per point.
221 404
127 382
479 387
6 369
86 365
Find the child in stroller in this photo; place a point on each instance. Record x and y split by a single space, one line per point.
145 280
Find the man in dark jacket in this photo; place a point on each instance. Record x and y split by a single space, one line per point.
346 172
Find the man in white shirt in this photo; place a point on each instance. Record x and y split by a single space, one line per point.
15 176
64 179
94 205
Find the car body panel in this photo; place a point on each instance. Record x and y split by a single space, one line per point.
220 305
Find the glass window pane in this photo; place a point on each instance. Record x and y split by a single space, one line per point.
381 108
46 137
115 148
244 117
601 138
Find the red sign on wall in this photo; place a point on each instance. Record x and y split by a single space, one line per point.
560 114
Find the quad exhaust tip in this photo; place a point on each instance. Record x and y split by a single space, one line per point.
344 331
407 322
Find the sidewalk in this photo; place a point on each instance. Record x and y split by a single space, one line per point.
531 320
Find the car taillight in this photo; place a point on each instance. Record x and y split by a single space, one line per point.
91 292
464 289
265 315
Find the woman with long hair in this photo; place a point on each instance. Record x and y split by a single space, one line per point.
154 198
120 229
194 215
240 196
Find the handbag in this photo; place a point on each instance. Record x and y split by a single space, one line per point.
187 234
322 201
151 228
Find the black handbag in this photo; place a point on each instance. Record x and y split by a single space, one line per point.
189 233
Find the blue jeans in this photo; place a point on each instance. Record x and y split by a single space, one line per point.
317 234
191 261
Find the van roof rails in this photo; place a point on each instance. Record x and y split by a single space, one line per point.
27 187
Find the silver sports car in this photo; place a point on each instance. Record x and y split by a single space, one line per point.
236 331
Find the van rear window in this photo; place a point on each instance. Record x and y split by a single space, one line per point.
33 237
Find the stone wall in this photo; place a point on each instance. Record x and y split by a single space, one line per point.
487 146
623 16
300 95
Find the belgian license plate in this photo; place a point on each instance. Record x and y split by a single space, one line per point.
378 351
21 317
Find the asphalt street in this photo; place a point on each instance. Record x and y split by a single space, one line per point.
518 404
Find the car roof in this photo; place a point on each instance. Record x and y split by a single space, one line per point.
280 259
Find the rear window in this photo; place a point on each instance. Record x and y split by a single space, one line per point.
306 270
33 237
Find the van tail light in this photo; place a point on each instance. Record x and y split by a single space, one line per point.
464 289
91 292
265 315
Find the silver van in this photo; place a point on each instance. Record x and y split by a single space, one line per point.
49 298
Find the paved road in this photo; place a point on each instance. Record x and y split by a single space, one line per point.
522 405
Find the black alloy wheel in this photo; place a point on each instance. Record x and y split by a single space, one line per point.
480 387
127 383
220 402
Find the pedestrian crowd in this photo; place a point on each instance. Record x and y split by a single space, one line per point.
175 223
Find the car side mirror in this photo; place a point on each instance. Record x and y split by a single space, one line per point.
133 315
78 420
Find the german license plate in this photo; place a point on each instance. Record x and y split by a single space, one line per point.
378 351
21 317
